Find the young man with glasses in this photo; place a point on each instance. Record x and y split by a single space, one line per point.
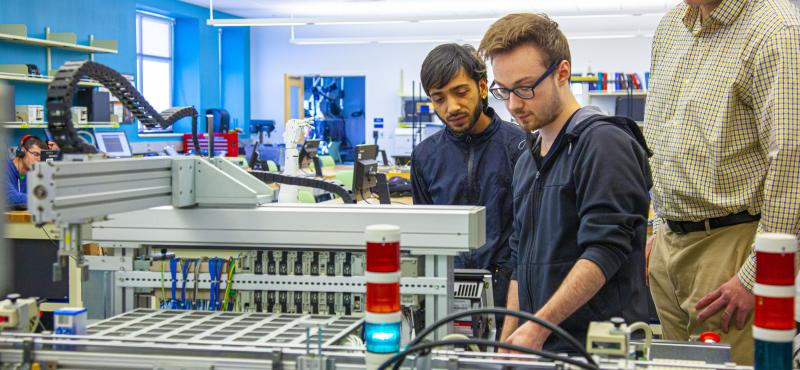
28 152
471 161
580 192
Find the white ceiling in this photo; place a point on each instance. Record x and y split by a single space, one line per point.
429 8
443 20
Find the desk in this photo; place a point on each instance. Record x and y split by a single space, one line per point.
390 171
373 200
33 251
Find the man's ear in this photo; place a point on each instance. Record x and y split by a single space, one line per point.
483 88
564 72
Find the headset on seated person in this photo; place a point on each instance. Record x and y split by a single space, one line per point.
20 151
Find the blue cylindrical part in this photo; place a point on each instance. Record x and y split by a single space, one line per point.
773 355
382 338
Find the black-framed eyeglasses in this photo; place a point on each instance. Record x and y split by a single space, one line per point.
523 92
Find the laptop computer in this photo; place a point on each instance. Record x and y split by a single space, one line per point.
114 143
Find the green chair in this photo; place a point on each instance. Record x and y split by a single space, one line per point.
327 161
346 178
333 149
305 196
272 166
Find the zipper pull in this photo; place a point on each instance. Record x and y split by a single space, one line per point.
468 139
537 175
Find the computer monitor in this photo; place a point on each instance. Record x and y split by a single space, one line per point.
113 143
309 150
366 175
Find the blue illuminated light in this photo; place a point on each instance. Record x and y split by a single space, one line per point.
382 338
773 356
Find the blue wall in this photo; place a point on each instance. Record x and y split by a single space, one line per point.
197 67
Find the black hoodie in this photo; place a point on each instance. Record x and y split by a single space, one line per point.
587 199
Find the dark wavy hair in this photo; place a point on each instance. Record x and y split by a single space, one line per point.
444 62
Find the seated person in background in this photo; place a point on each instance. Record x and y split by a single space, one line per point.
471 161
27 153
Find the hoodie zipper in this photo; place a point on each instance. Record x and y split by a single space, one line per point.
536 204
470 171
538 185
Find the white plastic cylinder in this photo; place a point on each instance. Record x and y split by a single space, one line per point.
293 133
288 193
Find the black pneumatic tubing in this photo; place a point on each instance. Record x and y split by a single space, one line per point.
307 182
502 311
64 85
400 356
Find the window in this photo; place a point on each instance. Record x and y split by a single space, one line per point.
154 61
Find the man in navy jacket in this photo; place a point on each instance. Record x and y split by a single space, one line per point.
471 161
580 192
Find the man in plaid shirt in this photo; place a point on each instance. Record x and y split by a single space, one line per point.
723 121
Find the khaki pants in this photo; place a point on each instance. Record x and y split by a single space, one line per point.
684 268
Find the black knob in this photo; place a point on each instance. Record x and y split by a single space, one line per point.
13 297
617 321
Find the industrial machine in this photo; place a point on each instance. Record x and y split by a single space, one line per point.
179 339
266 282
282 258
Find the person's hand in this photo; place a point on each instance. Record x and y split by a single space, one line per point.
529 335
648 248
732 298
51 145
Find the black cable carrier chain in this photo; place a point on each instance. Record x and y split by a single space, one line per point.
61 91
59 117
268 177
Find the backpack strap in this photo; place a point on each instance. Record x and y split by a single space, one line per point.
624 123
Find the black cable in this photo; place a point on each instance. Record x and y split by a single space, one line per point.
397 360
195 140
212 134
269 177
505 312
65 83
54 242
49 238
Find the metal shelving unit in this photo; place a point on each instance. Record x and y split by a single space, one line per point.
39 79
55 44
30 125
66 41
17 33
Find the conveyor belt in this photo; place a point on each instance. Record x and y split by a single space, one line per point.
64 85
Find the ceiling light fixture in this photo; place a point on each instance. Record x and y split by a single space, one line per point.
361 20
436 39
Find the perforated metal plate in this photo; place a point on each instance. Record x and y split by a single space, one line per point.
202 327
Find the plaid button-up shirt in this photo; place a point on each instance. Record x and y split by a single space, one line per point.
723 115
